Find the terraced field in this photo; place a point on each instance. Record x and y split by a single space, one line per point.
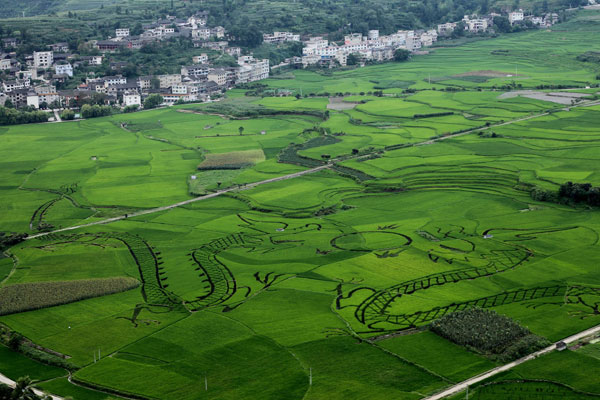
321 286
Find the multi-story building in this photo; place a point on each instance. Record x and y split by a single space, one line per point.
93 60
109 45
259 69
17 84
280 37
515 16
145 82
61 47
47 94
43 59
475 25
219 76
179 89
166 81
64 69
199 70
122 32
201 59
132 98
114 80
446 29
18 97
373 34
9 42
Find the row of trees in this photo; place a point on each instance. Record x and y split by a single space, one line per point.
88 111
569 192
580 193
10 116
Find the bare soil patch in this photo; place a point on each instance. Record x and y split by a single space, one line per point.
338 103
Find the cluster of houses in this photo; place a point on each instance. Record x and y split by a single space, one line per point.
478 24
194 27
36 86
374 47
196 82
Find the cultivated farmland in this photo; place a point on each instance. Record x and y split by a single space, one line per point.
424 205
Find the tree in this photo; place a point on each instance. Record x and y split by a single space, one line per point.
153 101
401 55
241 130
9 104
352 59
67 115
502 24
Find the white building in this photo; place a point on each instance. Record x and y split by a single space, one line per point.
446 29
179 89
64 69
5 63
280 37
259 69
16 84
475 25
43 59
201 59
515 16
132 98
122 32
33 100
373 34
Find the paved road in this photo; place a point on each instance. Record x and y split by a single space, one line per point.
459 387
57 116
11 383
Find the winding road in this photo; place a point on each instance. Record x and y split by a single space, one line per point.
459 387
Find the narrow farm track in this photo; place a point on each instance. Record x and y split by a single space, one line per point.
459 387
285 177
185 202
9 382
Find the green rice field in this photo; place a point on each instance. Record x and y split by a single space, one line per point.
321 285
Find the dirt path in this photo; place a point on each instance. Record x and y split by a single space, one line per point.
459 387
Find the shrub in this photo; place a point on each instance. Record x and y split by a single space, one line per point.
10 116
67 115
153 101
10 239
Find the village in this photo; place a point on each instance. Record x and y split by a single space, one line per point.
34 84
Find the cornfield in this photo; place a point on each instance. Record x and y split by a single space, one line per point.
32 296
